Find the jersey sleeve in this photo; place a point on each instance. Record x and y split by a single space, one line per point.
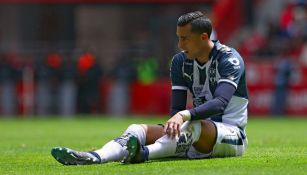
176 73
231 67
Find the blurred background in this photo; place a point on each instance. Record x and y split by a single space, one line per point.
112 57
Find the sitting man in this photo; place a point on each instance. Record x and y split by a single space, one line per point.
214 127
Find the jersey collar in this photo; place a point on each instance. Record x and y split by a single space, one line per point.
214 49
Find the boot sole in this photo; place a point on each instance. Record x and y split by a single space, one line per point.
132 145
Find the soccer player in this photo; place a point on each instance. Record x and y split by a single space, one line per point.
214 127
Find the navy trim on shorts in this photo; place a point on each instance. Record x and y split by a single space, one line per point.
232 142
242 135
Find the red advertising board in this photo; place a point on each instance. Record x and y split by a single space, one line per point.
261 78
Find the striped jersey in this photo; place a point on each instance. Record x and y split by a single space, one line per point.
224 65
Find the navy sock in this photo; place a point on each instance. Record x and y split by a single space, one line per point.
96 155
146 152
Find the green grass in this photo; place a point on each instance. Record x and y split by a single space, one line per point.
276 146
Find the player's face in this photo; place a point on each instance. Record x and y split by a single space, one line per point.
191 43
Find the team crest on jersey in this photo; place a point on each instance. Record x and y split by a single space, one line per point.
199 101
198 90
201 95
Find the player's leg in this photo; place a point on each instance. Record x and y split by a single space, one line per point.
67 156
207 137
114 150
164 146
231 141
153 133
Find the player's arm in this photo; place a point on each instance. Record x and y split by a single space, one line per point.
179 88
216 106
178 98
178 101
231 68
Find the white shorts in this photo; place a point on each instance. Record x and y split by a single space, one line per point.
230 142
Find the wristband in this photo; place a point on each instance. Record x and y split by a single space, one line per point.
186 115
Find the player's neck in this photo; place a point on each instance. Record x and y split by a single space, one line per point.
203 59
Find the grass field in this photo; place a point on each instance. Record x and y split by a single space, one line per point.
276 146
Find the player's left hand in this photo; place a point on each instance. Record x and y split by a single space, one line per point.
172 126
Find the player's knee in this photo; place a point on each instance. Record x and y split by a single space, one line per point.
138 131
145 127
136 127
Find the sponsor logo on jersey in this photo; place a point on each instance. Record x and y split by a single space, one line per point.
235 61
189 77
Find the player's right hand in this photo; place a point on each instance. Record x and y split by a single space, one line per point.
172 126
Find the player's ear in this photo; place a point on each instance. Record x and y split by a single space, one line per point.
204 36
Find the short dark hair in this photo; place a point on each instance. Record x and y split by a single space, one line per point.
200 23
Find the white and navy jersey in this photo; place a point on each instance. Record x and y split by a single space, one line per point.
224 65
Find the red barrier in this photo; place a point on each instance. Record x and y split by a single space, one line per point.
260 81
151 98
260 78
